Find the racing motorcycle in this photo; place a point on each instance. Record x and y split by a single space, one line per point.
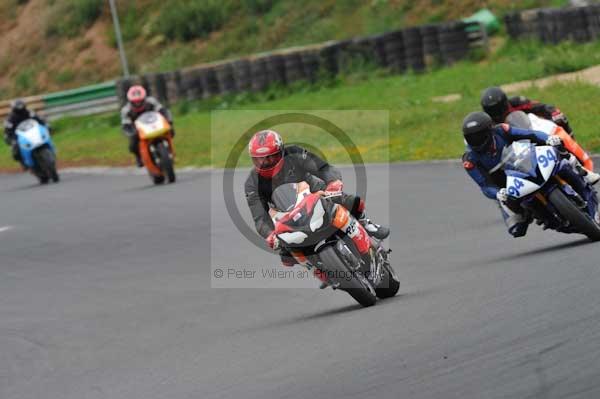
37 150
542 180
156 146
315 230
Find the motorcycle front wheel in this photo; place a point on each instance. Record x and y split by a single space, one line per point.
45 168
576 217
354 283
166 162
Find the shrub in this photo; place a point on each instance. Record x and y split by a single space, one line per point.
258 6
187 19
69 18
25 80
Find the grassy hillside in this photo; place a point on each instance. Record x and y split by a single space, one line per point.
48 45
419 127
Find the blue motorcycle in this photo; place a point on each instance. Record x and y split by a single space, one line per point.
37 150
543 181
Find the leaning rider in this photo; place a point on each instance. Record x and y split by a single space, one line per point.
138 103
485 142
275 165
18 113
496 104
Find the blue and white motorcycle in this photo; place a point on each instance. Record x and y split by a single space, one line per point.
543 181
37 150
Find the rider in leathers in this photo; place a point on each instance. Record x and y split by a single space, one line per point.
138 103
275 165
485 142
18 113
498 105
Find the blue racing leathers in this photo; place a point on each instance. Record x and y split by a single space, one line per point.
479 165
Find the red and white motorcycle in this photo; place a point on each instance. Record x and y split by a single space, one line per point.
318 233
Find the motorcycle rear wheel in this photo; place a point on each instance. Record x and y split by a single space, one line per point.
580 220
354 283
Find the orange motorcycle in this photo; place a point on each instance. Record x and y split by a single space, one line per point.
156 146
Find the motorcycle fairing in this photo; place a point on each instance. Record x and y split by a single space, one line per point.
523 182
30 136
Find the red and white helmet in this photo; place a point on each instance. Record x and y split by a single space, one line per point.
136 95
266 150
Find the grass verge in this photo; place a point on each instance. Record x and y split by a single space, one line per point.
419 128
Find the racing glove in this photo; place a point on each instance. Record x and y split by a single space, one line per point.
272 241
335 186
554 141
559 118
129 130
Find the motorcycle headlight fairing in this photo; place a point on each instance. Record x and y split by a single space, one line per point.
316 221
294 237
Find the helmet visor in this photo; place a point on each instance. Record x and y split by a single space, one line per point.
497 111
479 140
267 162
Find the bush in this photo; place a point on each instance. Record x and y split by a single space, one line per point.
187 19
131 26
258 6
25 80
69 18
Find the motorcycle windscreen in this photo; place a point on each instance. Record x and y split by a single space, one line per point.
151 125
284 197
520 156
26 125
519 119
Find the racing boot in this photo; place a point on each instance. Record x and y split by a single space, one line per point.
589 176
516 223
374 230
138 160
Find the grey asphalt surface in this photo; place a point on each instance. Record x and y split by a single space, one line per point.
105 293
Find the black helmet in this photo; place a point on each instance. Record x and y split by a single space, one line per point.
477 129
18 105
495 103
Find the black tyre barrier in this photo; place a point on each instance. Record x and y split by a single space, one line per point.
191 80
393 45
552 25
275 69
454 42
364 50
146 81
225 77
242 74
551 30
210 82
310 64
576 19
175 88
161 88
122 86
592 17
513 23
259 73
431 44
293 67
413 49
530 23
331 56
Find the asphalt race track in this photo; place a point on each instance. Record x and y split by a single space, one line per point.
105 292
